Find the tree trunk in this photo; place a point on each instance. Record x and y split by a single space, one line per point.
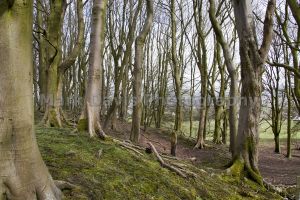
90 116
176 69
23 174
42 62
232 74
54 115
288 94
137 74
252 62
277 143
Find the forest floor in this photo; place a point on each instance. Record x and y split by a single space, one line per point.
275 168
119 173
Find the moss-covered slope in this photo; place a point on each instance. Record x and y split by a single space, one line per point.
120 174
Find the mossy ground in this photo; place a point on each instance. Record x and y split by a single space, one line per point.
120 174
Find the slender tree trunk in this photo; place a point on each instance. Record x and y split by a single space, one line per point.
289 134
90 116
42 61
202 65
137 74
277 143
23 174
232 74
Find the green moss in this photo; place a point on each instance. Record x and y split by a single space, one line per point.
82 125
237 168
120 174
53 118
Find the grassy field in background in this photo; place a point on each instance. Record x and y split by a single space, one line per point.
265 130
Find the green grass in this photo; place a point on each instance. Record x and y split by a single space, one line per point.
120 174
266 133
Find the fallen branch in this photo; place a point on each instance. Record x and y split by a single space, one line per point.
165 165
170 157
130 148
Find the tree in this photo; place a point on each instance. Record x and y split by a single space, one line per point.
201 56
90 116
120 56
232 74
253 59
23 174
55 65
137 74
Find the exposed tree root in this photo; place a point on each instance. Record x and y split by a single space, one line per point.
281 191
200 145
52 118
64 185
240 169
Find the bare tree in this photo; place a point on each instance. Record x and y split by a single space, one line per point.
253 59
23 172
90 116
137 73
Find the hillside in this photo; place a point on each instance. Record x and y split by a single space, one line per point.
123 174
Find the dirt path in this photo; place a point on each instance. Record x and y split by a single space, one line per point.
275 168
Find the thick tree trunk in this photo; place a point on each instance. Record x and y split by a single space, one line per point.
90 116
252 62
137 74
23 174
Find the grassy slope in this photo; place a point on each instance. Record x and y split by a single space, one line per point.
120 174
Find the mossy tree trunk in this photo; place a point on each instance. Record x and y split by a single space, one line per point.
90 116
23 174
55 19
252 58
137 74
54 116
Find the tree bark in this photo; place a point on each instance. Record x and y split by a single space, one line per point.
23 174
252 63
54 116
137 74
90 116
176 69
